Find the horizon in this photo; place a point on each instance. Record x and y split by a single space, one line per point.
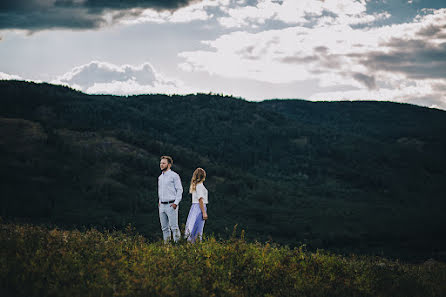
374 50
225 95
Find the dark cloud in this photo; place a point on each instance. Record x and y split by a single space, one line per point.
331 62
320 56
416 59
399 43
439 87
368 81
40 20
321 49
127 4
37 15
254 53
432 31
324 62
248 53
299 60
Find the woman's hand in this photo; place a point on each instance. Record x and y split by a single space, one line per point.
205 216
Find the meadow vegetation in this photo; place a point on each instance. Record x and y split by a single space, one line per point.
42 261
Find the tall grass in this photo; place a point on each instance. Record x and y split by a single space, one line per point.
37 261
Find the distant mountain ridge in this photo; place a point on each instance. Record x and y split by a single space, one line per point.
347 176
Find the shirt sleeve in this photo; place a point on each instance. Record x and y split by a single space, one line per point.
200 191
159 189
178 189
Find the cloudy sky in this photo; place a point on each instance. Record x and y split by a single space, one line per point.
393 50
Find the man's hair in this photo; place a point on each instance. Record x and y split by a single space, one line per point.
168 158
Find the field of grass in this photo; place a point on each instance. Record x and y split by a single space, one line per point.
39 261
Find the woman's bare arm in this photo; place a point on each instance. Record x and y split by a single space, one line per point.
203 211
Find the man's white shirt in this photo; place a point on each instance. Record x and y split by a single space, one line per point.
169 187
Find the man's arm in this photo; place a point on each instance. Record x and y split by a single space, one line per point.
179 189
159 188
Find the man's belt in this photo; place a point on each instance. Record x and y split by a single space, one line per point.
167 202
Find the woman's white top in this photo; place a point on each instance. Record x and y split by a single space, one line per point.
200 192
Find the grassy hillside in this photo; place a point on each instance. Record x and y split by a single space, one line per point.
36 261
364 177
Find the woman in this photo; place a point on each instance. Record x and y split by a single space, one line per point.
197 214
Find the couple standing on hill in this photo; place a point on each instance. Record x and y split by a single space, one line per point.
170 192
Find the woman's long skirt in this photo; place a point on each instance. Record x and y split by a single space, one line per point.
194 223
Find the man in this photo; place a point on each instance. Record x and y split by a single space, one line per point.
170 192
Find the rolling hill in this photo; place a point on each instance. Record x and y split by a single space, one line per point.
362 177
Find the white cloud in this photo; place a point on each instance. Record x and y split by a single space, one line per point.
299 12
6 76
278 56
242 15
105 78
372 61
131 87
247 55
237 14
429 94
199 11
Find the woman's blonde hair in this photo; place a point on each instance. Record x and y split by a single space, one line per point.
198 177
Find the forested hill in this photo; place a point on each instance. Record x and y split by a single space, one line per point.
363 177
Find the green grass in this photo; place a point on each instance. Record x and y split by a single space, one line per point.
37 261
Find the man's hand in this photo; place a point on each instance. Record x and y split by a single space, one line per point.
205 216
173 205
